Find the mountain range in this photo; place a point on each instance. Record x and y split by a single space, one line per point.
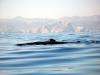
41 25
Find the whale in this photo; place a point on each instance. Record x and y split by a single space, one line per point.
54 42
49 42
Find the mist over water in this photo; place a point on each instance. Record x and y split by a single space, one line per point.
63 59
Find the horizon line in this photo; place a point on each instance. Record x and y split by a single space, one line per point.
47 17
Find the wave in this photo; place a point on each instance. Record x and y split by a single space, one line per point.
66 59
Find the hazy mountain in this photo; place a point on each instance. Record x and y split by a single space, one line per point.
64 24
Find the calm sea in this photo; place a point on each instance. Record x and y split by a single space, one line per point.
63 59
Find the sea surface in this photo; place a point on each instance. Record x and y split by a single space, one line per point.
63 59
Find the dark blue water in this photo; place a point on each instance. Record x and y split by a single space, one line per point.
65 59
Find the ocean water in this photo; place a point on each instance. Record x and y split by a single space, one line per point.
63 59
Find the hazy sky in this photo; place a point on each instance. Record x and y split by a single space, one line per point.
48 8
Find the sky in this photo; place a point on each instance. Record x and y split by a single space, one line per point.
48 8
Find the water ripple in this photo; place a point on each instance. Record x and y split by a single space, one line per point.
67 59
